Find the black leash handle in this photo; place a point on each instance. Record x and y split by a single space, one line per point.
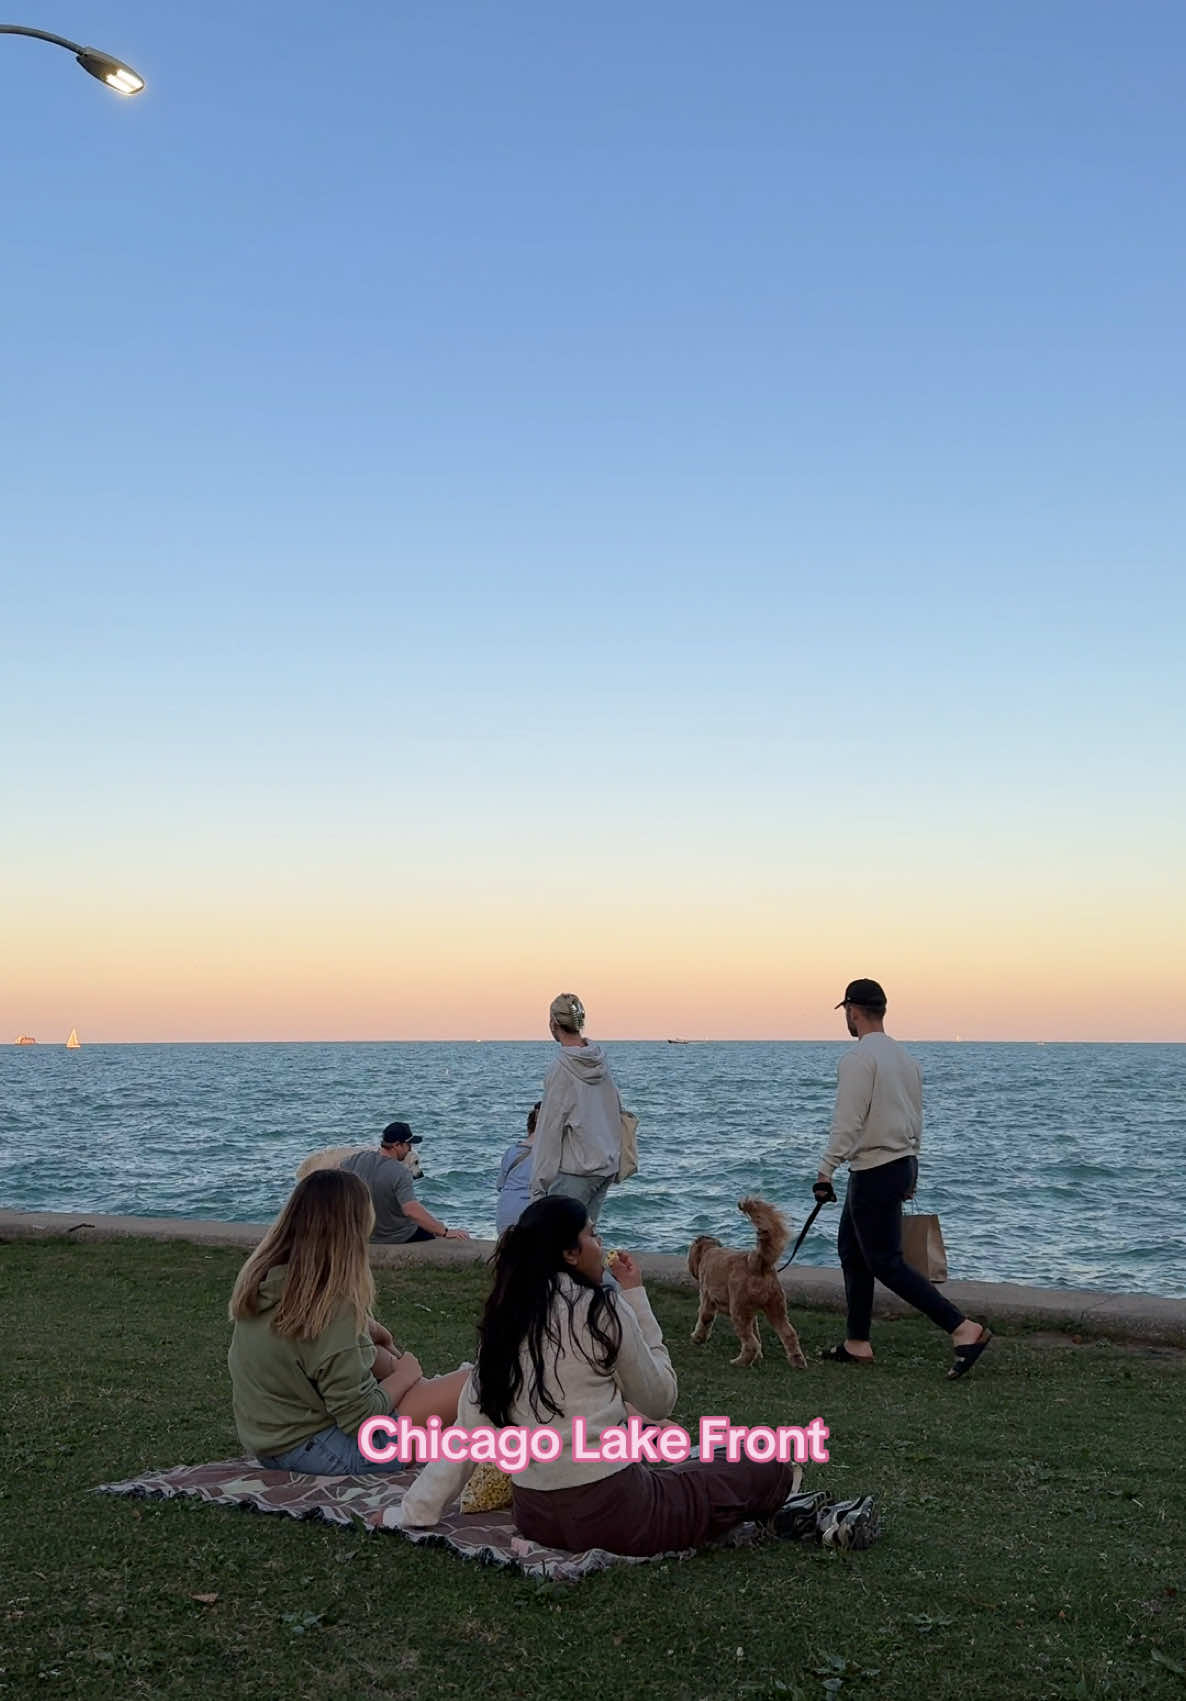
820 1203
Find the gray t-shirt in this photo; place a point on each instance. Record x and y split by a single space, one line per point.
391 1189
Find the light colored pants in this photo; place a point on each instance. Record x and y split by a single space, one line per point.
589 1189
329 1453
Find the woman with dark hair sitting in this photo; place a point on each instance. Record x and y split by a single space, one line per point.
308 1362
555 1345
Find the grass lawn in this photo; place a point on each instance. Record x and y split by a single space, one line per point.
1034 1538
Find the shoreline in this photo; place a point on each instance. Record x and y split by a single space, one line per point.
1149 1319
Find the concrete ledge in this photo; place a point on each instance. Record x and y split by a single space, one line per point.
1147 1318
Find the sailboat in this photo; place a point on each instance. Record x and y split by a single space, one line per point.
74 1043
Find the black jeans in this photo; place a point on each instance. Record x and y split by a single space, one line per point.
869 1242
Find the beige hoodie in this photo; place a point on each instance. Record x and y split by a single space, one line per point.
579 1127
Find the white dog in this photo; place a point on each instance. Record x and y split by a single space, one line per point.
333 1157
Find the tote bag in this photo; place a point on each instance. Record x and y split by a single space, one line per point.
922 1245
628 1161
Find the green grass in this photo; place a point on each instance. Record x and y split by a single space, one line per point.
1034 1539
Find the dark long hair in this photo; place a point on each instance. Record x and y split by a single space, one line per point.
525 1306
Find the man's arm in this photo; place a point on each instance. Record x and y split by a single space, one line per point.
854 1093
405 1195
414 1209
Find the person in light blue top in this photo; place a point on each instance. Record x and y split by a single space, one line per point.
514 1177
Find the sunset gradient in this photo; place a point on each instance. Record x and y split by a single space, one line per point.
692 525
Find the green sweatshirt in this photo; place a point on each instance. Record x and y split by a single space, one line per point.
287 1390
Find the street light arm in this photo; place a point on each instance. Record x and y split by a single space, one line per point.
42 35
105 66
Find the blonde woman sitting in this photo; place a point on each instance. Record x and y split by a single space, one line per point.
308 1362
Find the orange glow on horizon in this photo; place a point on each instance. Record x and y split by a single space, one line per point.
480 965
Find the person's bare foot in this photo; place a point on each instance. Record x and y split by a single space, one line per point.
967 1333
859 1349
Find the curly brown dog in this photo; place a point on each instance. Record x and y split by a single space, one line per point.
744 1283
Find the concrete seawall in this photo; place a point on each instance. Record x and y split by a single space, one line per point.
1145 1318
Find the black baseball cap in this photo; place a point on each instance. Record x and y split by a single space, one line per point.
867 993
400 1134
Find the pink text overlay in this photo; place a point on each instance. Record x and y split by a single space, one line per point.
383 1440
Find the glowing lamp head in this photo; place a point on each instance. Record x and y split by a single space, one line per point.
113 72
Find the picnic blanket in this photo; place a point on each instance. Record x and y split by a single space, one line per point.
373 1501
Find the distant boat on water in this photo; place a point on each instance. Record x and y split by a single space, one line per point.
25 1039
74 1043
678 1042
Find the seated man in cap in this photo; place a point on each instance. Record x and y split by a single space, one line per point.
399 1217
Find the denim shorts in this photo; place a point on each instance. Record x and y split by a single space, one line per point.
329 1453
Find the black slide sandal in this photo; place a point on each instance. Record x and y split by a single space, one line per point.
965 1357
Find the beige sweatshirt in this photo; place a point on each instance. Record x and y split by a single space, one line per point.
641 1373
579 1127
878 1114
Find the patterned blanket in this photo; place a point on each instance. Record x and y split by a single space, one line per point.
372 1501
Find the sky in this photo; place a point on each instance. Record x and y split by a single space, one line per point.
678 504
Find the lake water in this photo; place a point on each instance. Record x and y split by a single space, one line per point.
1056 1165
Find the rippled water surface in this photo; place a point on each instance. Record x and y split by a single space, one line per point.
1058 1165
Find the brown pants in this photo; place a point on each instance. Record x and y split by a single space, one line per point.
645 1509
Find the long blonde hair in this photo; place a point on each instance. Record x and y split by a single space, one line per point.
322 1235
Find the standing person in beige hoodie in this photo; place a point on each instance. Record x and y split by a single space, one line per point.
877 1131
578 1131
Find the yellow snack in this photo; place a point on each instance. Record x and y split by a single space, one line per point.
488 1490
611 1258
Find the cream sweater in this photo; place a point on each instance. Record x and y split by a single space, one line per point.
878 1114
641 1373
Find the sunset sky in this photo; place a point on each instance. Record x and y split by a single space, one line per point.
680 505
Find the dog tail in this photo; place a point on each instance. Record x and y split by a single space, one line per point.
773 1234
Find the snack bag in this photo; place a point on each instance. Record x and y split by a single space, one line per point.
488 1490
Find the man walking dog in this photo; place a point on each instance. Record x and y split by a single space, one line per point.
877 1131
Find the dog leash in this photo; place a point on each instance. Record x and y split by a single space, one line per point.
820 1203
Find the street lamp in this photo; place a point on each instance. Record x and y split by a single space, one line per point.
113 72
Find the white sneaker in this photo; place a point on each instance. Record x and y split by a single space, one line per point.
851 1524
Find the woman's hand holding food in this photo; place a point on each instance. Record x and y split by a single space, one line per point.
623 1267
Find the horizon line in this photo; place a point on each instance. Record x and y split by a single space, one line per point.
445 1039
